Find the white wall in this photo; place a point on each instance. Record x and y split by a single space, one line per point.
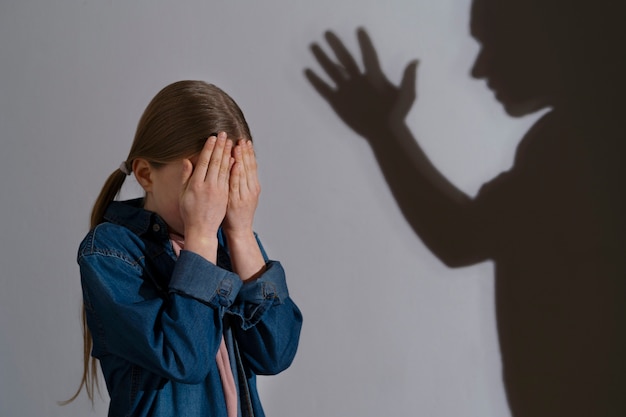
388 329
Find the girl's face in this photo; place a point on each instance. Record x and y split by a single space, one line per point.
163 196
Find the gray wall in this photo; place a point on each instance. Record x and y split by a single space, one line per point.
389 330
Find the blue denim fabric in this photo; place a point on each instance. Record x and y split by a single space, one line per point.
157 321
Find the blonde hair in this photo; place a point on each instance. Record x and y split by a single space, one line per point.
175 125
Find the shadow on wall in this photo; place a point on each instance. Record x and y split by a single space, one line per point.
555 223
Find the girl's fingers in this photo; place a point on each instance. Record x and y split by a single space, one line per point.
235 175
215 171
225 163
216 157
249 160
238 170
247 169
204 158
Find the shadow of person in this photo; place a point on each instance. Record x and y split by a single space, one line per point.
554 223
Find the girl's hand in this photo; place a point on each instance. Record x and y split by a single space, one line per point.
204 200
243 196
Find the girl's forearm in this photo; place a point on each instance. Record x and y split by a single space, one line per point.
246 257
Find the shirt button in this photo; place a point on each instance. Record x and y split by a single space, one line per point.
156 227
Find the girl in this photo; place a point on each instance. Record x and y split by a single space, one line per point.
182 306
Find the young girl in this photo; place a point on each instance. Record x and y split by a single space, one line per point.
183 308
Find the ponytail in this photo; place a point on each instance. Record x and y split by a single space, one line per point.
90 366
110 190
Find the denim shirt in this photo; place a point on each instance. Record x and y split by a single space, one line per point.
157 320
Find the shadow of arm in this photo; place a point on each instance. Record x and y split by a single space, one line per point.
440 214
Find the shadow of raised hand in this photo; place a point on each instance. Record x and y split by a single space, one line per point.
365 100
376 109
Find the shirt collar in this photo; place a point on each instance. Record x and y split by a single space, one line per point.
131 214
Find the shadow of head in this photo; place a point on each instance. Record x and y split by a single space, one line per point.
540 53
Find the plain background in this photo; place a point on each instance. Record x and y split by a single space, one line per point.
388 330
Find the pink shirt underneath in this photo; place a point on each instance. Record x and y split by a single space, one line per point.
222 360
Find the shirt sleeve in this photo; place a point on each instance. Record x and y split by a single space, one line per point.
268 321
175 334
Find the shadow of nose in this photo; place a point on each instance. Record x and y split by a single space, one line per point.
478 69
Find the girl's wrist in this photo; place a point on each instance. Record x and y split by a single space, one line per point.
203 244
245 254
